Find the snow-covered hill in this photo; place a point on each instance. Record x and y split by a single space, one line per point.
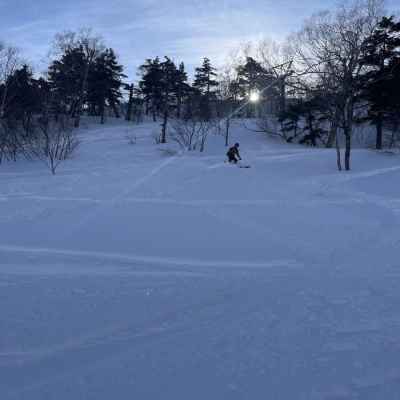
140 273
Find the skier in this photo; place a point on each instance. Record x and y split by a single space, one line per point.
233 154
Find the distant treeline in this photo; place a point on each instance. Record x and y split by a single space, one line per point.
341 69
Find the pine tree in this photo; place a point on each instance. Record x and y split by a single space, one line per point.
305 120
205 80
378 85
131 90
150 85
205 83
164 88
104 84
169 82
251 77
182 88
22 101
66 80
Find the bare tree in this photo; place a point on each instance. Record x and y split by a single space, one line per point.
9 62
277 58
53 142
192 133
228 101
9 140
328 51
270 125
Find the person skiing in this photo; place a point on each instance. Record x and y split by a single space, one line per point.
233 154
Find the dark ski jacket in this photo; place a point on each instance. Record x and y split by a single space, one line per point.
233 152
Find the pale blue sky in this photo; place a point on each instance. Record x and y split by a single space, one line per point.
137 29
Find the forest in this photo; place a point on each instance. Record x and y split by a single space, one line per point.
340 71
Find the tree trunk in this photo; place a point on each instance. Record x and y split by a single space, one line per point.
77 121
338 155
312 131
116 111
348 149
80 101
379 132
228 123
179 106
348 131
164 126
102 112
128 116
3 101
332 138
282 88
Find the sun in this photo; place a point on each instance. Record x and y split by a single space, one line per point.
254 97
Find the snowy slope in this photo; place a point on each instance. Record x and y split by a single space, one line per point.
136 273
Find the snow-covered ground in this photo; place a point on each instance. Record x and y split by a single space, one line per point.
139 274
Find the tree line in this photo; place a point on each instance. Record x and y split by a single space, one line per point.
38 114
340 70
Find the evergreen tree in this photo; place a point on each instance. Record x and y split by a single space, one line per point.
169 83
305 119
183 89
104 84
66 80
380 85
204 80
252 77
205 83
164 88
25 99
22 101
131 90
150 85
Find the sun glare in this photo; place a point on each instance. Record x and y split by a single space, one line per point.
254 97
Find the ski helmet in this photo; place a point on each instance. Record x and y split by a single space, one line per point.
237 145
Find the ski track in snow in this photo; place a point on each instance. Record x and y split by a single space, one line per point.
124 340
147 259
359 197
91 215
